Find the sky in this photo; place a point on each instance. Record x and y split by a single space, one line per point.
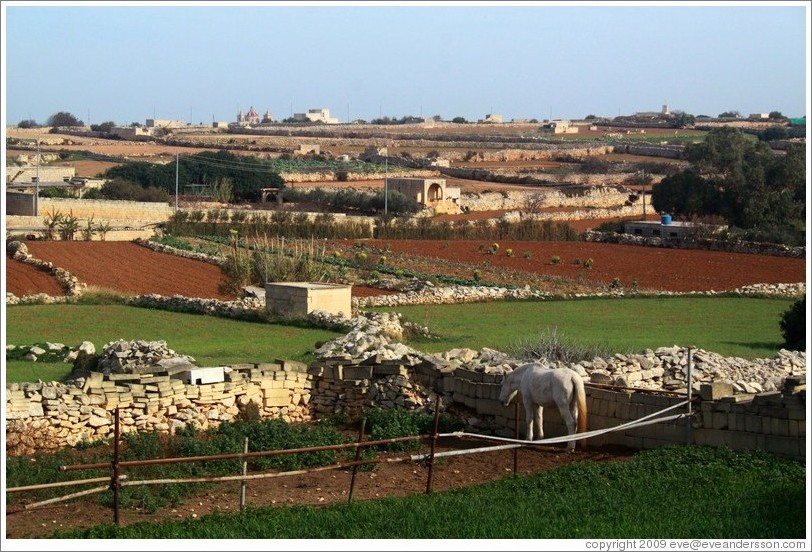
126 62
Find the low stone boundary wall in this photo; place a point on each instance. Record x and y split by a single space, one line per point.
701 243
43 416
48 416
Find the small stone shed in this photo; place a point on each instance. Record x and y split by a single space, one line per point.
429 192
301 298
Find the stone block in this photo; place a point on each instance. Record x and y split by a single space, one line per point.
357 372
389 370
715 390
783 445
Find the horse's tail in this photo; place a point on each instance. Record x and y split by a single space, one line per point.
580 397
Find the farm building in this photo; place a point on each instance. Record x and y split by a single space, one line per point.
429 192
666 228
559 127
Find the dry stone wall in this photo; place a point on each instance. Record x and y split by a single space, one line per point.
746 404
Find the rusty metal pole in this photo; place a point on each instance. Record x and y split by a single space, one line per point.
516 436
688 421
357 458
433 442
116 484
244 483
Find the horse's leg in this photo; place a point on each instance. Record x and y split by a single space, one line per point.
539 425
528 420
569 414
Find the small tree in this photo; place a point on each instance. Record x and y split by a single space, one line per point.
28 123
63 118
793 326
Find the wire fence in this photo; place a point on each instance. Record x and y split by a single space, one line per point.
118 480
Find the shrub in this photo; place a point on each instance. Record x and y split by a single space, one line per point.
509 252
527 254
555 259
553 346
793 326
494 248
588 263
616 283
477 275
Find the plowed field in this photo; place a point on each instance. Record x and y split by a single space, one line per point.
131 269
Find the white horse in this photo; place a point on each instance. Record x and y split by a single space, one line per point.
542 386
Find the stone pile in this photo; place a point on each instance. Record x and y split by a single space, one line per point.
53 351
375 336
140 357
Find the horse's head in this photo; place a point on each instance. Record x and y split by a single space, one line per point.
509 389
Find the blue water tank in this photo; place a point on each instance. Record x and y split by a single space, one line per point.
665 219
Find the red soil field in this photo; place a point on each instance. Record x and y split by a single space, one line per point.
654 268
132 269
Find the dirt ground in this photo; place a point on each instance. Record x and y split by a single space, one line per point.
132 269
319 488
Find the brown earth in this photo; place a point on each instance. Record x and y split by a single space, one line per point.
24 279
653 268
128 268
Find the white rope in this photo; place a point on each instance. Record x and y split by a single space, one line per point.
644 421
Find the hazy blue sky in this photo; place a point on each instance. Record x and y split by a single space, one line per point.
127 63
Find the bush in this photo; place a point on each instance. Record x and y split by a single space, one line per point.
793 326
391 423
553 346
555 259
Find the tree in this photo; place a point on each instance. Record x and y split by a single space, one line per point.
757 190
106 126
730 115
777 115
63 118
682 119
793 326
590 117
685 194
459 120
28 123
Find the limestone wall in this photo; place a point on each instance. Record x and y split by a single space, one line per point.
592 197
101 209
47 416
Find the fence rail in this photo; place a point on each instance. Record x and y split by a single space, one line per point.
118 480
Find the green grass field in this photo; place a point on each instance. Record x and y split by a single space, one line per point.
744 327
730 326
667 493
210 340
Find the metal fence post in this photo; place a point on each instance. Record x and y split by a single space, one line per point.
688 420
357 458
433 442
116 484
516 436
244 483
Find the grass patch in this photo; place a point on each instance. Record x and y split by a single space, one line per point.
674 492
212 341
731 326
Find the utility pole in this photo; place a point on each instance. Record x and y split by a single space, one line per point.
386 184
644 193
36 186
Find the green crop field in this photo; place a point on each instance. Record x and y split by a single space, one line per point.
210 340
731 326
